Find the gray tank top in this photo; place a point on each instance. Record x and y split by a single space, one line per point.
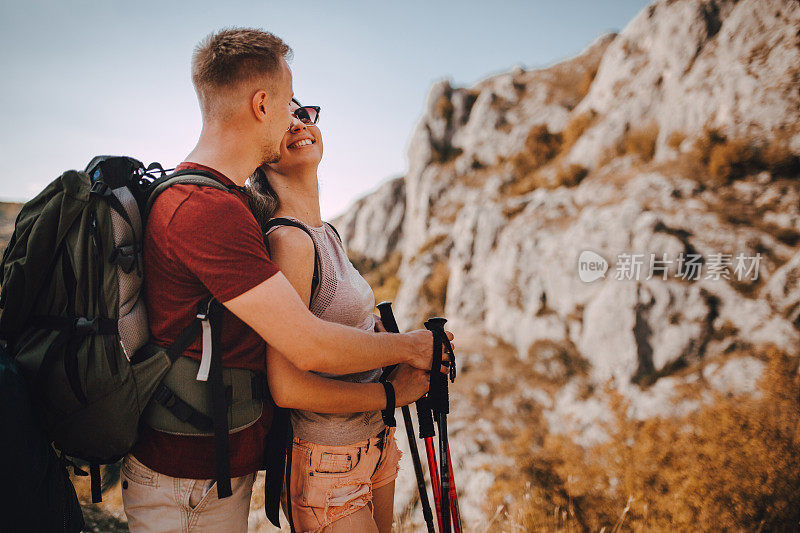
343 296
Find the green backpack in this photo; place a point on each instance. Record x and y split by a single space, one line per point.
75 322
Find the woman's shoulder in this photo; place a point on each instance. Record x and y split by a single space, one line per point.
287 239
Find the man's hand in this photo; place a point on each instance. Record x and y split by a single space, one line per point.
409 383
421 348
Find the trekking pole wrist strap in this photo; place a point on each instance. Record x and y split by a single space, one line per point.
388 413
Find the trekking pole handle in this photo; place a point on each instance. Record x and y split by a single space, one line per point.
436 324
387 317
390 325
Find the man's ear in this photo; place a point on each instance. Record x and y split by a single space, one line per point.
259 104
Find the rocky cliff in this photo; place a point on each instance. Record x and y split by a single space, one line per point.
672 146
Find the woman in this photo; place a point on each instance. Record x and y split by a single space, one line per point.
344 458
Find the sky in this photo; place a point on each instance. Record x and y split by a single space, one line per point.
83 78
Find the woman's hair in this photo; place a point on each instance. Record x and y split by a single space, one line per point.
264 201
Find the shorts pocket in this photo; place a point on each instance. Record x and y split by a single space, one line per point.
200 492
138 473
338 463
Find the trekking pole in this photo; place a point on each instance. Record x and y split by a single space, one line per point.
440 404
456 513
426 431
389 323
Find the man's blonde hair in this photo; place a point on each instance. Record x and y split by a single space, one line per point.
232 56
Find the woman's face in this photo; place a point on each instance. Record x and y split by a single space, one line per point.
301 147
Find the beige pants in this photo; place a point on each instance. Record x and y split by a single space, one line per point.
159 503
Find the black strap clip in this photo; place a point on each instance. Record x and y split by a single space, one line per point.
99 187
84 326
126 257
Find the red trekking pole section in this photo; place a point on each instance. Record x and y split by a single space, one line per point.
456 514
434 471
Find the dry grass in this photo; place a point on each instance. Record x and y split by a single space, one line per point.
8 216
726 159
570 175
432 243
444 108
641 142
382 277
732 465
545 148
675 139
576 127
587 79
541 146
434 288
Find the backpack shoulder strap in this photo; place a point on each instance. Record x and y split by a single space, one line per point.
334 230
191 176
281 221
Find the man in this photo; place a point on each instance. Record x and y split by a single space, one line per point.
202 242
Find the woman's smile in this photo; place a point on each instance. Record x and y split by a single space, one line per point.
308 141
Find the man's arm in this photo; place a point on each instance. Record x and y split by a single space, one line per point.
274 310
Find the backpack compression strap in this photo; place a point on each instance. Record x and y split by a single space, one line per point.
280 221
211 363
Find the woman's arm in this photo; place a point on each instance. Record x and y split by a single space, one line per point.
299 389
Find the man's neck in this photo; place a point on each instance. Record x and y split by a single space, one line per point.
226 153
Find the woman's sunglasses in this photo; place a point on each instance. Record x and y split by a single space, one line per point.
307 114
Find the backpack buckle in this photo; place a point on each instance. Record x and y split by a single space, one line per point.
204 309
84 326
99 187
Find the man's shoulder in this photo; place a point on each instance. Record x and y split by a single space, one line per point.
191 199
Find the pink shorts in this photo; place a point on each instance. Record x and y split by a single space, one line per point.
331 482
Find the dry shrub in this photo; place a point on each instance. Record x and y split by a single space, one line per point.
511 211
641 141
444 108
571 175
778 159
731 465
728 159
442 153
434 288
382 277
576 127
541 146
675 140
586 81
432 243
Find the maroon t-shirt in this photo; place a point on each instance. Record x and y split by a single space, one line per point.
202 242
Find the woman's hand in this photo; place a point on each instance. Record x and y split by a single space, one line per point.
409 383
